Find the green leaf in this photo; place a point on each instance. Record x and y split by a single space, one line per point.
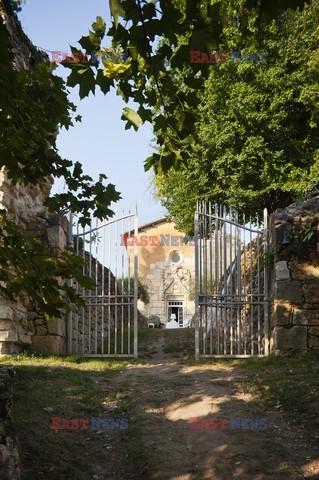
99 26
132 117
116 10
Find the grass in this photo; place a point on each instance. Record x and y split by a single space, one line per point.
65 387
177 341
75 387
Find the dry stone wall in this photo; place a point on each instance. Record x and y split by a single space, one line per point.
294 247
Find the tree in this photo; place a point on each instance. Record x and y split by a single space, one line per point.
159 35
33 105
258 123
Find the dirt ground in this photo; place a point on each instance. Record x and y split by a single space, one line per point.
159 394
163 395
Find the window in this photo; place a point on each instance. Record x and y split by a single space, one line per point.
176 258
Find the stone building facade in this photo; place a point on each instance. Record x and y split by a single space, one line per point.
167 267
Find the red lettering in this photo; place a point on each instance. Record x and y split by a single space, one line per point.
213 58
223 57
84 57
135 241
194 57
205 424
74 423
64 57
151 238
65 424
223 422
195 423
84 422
143 241
71 59
55 423
204 58
76 57
56 57
124 237
213 423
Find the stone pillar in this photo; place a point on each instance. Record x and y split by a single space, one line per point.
294 241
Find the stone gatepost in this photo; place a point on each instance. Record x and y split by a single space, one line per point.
294 247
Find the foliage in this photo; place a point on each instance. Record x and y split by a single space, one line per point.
310 233
127 287
159 36
27 269
154 319
258 124
33 106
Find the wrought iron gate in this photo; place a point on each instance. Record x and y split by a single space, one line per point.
107 325
231 284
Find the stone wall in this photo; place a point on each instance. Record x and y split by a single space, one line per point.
88 322
21 325
294 252
9 455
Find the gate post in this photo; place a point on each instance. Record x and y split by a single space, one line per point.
135 285
196 287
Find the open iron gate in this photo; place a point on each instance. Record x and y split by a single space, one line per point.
231 284
107 325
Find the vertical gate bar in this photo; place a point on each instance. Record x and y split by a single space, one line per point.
84 292
220 316
245 290
231 281
109 293
128 256
239 288
266 306
201 274
116 297
235 286
225 280
77 291
96 279
251 290
135 284
69 317
211 278
196 285
205 277
258 287
90 294
103 282
217 275
122 292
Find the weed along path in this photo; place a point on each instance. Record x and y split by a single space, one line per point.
166 417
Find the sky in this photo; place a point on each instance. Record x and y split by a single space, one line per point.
100 142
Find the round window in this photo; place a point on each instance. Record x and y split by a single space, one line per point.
176 258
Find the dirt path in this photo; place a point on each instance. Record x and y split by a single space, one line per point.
163 396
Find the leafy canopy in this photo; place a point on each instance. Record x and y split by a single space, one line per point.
257 123
33 106
159 36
